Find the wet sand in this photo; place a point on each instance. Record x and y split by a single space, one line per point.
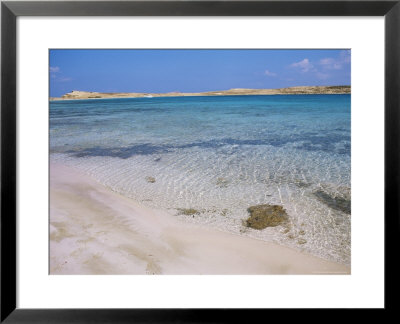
94 230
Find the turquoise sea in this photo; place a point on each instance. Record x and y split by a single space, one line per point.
220 155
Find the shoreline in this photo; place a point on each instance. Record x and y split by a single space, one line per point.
302 90
227 95
94 230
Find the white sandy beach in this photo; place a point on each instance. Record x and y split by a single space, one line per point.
94 230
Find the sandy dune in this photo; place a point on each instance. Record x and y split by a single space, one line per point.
96 231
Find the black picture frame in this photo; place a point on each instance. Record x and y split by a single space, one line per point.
10 10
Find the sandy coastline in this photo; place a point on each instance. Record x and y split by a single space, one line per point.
94 230
76 95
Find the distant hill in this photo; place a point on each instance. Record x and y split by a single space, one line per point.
232 92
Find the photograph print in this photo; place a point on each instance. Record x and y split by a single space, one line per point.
200 161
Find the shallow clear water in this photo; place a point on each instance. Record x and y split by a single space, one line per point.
220 155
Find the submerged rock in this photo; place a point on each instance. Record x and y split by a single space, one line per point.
301 241
222 182
301 184
262 216
188 211
224 212
337 203
150 179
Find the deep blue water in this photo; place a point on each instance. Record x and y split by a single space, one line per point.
220 155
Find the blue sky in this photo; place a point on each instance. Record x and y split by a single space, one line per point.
194 70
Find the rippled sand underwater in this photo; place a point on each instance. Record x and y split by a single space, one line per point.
208 159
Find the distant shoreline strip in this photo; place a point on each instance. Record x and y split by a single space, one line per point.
305 90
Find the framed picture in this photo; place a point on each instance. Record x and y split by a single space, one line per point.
199 138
